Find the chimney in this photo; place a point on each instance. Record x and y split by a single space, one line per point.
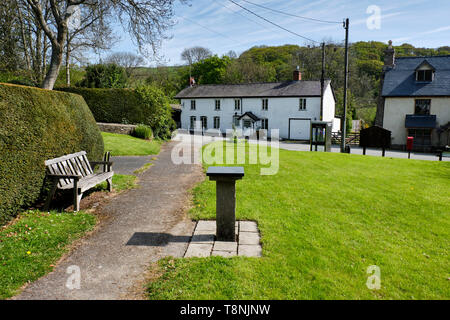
297 76
191 81
389 56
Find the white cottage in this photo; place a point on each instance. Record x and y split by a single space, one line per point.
287 106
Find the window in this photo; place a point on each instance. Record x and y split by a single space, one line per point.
193 105
216 122
424 75
247 123
302 105
193 119
265 104
204 121
236 121
217 108
423 107
422 137
265 124
237 105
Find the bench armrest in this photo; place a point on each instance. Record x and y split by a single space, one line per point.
62 176
107 163
94 163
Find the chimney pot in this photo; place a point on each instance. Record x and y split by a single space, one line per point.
389 56
297 75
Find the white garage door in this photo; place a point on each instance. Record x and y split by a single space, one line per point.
300 129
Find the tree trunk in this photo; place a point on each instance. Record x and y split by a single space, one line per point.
68 62
55 65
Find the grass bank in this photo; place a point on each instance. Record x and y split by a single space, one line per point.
125 145
324 219
33 243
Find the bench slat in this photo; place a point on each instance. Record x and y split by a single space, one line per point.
88 166
63 158
84 163
83 171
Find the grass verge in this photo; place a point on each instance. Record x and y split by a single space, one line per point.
120 182
34 242
125 145
324 219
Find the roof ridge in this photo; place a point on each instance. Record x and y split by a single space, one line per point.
425 57
250 83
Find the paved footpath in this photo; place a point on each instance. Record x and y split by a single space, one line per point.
144 225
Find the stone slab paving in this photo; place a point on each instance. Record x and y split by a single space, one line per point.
203 242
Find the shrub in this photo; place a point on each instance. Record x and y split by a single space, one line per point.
38 125
146 105
105 76
144 132
158 111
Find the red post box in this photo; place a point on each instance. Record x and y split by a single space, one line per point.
409 144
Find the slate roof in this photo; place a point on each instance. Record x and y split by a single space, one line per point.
400 81
254 90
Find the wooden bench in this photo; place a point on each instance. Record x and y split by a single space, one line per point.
74 171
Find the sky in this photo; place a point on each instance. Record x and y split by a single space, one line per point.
222 26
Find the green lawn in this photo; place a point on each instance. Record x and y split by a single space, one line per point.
125 145
324 219
32 244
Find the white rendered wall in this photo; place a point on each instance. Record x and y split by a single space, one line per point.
396 109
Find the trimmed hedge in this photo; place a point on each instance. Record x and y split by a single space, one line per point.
146 105
111 105
37 125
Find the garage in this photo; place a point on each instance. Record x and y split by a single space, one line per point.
299 129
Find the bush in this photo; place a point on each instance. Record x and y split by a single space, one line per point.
158 111
144 132
104 76
38 125
146 105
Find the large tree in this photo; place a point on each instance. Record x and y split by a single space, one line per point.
145 20
195 54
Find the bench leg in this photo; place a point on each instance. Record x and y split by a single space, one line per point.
50 195
76 199
109 181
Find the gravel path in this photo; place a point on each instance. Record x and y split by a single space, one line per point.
142 226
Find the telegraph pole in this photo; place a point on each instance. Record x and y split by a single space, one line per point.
344 120
322 81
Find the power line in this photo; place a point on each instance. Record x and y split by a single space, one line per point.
293 15
210 30
237 12
277 25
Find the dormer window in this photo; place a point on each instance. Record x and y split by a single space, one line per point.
425 72
424 76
